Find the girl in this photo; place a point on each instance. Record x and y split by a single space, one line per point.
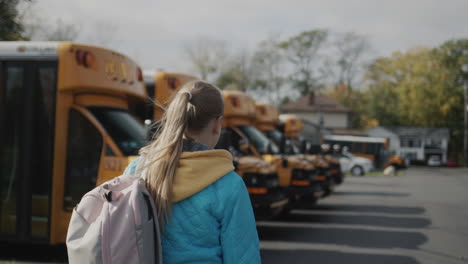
202 204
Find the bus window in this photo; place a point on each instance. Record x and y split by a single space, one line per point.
144 110
28 97
261 143
83 156
224 141
44 110
125 130
275 135
295 147
229 141
357 147
12 88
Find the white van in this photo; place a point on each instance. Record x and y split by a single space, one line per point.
358 166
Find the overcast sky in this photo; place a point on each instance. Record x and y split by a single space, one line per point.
155 32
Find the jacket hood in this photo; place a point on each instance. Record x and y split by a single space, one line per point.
199 169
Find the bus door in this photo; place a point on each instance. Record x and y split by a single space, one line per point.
98 143
27 111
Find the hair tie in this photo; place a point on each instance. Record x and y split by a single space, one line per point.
189 96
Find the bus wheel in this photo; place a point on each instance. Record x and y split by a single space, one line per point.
284 214
357 171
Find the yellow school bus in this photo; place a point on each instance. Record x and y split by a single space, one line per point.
160 87
239 119
267 120
65 128
328 167
259 176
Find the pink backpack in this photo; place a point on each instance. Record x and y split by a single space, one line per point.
116 222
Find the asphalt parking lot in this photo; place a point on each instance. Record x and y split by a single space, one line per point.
420 217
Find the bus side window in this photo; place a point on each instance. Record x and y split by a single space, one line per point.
224 140
11 147
83 156
229 141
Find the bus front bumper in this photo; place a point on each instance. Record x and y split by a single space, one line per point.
269 204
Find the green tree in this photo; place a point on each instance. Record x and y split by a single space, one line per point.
358 102
10 28
413 88
302 51
453 55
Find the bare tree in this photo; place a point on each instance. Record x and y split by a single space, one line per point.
237 72
62 31
102 33
207 57
268 62
349 49
42 29
302 51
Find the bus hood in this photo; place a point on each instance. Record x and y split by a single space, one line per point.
255 164
295 161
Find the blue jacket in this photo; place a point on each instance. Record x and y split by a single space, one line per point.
213 225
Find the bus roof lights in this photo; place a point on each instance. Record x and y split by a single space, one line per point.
172 82
139 74
84 58
235 101
262 109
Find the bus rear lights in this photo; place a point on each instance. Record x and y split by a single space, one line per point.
84 58
234 101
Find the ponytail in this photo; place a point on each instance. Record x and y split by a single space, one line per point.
192 108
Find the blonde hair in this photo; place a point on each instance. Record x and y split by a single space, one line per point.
192 108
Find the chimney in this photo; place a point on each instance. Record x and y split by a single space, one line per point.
312 98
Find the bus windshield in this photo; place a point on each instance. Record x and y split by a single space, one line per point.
274 135
125 130
260 141
296 147
290 147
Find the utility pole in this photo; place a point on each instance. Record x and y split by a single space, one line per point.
465 110
464 70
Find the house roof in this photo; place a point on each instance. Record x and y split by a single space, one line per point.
321 103
410 131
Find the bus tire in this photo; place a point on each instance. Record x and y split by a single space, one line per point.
357 171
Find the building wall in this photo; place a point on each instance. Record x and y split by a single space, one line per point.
394 146
400 146
312 134
332 120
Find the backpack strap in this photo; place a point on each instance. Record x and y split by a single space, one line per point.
157 253
108 194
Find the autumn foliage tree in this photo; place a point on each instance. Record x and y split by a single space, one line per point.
420 87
